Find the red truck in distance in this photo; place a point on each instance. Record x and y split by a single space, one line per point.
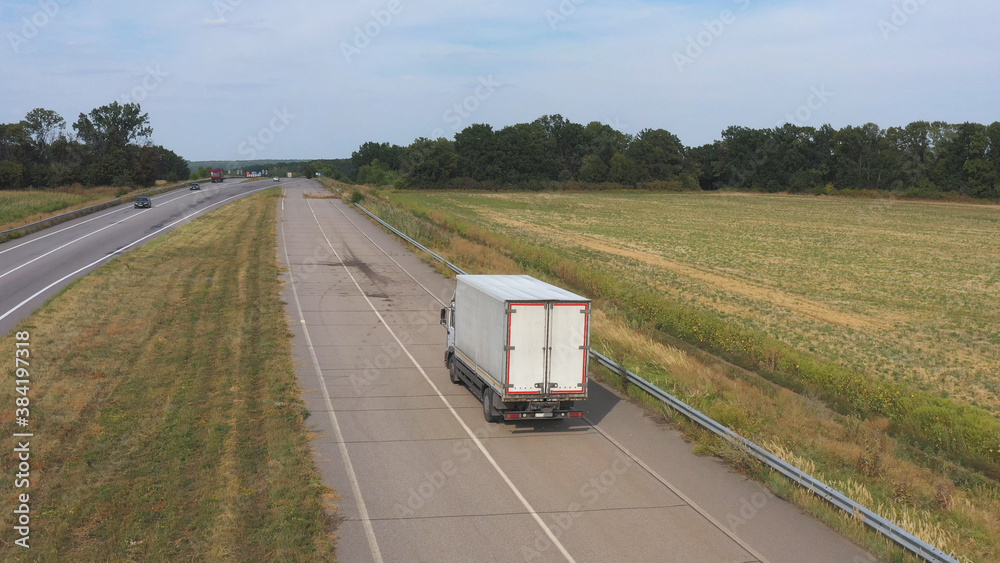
218 176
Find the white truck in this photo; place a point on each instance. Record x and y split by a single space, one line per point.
521 344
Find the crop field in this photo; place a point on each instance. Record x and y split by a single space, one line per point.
904 291
16 206
879 286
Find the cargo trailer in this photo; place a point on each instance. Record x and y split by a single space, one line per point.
520 344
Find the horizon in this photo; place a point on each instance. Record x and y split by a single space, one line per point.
234 81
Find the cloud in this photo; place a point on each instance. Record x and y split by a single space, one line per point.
603 60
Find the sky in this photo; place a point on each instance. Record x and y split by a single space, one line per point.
247 79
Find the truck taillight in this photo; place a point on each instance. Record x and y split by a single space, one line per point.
576 414
512 416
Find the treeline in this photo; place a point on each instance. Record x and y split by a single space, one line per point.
338 169
921 159
108 147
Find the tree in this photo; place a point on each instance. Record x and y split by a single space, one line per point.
569 143
658 155
44 127
113 127
428 163
709 159
605 141
477 152
172 167
622 170
593 169
11 175
14 142
376 173
859 158
745 152
389 156
525 152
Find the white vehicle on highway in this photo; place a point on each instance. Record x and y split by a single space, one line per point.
520 344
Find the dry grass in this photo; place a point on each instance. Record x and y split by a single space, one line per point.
165 409
953 508
899 290
23 207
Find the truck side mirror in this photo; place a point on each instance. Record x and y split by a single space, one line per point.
444 317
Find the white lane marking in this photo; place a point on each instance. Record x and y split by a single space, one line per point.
422 286
472 435
58 248
76 225
119 251
37 258
682 496
614 442
351 475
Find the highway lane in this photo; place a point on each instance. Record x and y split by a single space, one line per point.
36 267
421 475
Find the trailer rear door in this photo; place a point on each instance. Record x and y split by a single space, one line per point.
526 348
568 332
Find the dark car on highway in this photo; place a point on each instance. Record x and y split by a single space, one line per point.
195 186
143 202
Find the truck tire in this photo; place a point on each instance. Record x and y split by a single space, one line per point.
489 411
453 371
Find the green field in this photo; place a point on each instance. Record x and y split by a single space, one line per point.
732 303
903 291
163 401
17 206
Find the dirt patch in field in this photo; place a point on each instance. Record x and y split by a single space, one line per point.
799 305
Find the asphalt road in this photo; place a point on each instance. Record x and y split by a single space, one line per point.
36 267
422 477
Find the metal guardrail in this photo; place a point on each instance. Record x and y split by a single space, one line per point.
37 225
891 531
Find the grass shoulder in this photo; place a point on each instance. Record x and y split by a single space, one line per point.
23 207
165 408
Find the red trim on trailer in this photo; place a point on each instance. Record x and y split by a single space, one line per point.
509 322
586 336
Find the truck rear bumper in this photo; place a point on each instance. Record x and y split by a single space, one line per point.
529 415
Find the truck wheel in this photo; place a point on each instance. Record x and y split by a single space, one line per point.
489 411
453 372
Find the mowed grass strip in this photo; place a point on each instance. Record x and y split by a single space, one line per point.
16 206
165 410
